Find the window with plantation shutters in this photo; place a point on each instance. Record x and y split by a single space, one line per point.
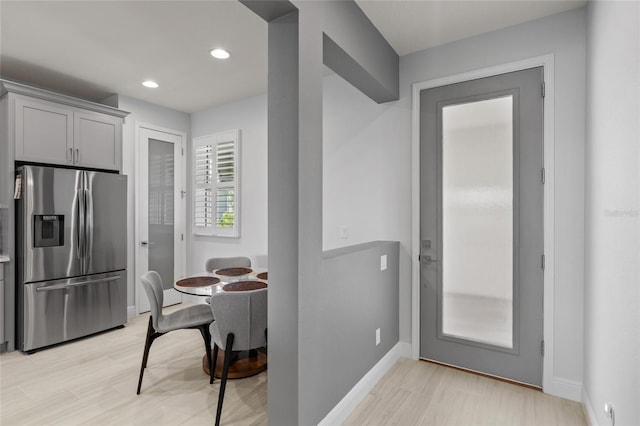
216 161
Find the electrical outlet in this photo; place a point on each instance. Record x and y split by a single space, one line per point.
610 412
377 336
383 262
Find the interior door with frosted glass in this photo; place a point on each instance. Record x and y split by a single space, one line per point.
160 212
481 269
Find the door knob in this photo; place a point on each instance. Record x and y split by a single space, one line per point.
428 259
146 243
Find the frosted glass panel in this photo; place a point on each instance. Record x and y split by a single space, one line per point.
161 210
477 221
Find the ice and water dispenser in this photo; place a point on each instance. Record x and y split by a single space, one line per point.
48 230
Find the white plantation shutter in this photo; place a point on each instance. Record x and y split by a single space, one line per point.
216 160
203 194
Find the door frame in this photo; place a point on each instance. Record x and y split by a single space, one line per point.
181 210
547 62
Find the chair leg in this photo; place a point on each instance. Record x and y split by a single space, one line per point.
206 335
151 336
228 350
212 370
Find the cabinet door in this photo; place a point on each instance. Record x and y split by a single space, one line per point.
97 139
44 132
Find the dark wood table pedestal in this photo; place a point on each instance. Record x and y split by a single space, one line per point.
243 364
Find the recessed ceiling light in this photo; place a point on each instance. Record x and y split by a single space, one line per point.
150 84
220 53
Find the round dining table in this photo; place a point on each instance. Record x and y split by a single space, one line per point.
227 279
206 284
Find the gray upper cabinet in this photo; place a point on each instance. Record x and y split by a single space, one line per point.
57 129
44 131
97 140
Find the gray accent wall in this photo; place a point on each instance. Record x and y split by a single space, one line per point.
353 300
303 385
283 212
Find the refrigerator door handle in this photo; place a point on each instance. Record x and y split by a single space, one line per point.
78 284
81 226
88 225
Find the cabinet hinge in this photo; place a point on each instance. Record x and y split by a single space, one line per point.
182 194
542 176
542 262
182 150
542 347
181 237
544 91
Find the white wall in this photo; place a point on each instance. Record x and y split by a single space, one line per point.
140 112
612 249
360 164
367 177
359 147
564 36
250 116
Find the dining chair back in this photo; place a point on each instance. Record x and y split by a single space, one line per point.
196 317
154 288
227 262
240 325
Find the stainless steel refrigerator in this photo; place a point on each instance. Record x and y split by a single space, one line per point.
71 252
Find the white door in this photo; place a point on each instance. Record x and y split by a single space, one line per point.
160 210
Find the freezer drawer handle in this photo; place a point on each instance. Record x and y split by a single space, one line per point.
62 286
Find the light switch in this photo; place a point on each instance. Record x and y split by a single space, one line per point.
383 262
344 232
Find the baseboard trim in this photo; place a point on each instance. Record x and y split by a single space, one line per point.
131 311
351 400
564 388
587 407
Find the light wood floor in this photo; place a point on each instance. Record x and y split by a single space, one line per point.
93 382
422 393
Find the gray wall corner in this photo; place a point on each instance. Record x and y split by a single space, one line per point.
270 10
355 50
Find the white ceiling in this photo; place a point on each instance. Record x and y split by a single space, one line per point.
413 25
93 49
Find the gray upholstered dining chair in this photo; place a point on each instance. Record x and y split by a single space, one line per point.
227 262
240 325
196 316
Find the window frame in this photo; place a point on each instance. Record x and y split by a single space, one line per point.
214 140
